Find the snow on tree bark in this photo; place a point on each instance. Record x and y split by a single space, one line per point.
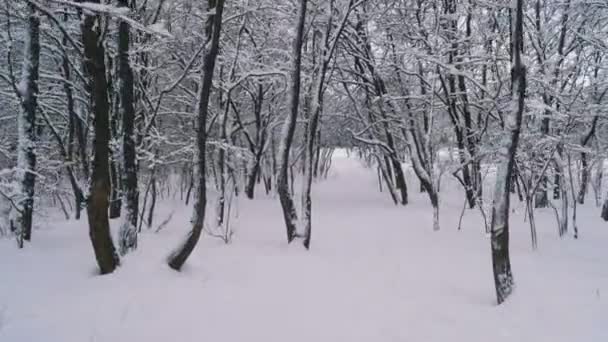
26 157
98 201
289 127
503 276
128 229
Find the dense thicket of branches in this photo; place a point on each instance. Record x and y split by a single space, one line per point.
165 103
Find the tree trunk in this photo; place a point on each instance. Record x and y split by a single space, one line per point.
584 179
289 127
604 214
191 182
153 194
128 228
501 264
213 27
253 175
26 158
97 208
222 172
399 178
557 184
73 124
541 196
585 165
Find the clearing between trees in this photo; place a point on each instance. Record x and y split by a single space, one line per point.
375 272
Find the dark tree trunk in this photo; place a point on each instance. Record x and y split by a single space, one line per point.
26 160
222 172
381 90
557 185
115 200
253 175
190 185
399 178
584 179
128 229
97 208
462 129
73 123
541 197
501 263
115 167
604 214
153 195
317 156
585 164
213 27
285 197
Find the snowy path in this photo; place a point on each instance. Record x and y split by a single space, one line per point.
376 272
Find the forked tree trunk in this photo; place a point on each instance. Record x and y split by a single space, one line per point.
97 208
501 263
26 158
213 27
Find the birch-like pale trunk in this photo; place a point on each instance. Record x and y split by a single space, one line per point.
501 263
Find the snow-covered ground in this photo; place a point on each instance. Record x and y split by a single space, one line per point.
375 272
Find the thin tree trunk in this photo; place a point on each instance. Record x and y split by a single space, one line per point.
153 194
253 175
289 127
501 263
213 27
584 179
73 123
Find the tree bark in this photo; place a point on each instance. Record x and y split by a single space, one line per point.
213 27
26 159
128 228
501 263
289 127
97 208
74 128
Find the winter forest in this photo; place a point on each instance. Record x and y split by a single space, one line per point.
303 170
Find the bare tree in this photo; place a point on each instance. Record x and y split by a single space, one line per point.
98 200
289 127
213 27
27 90
128 229
503 276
